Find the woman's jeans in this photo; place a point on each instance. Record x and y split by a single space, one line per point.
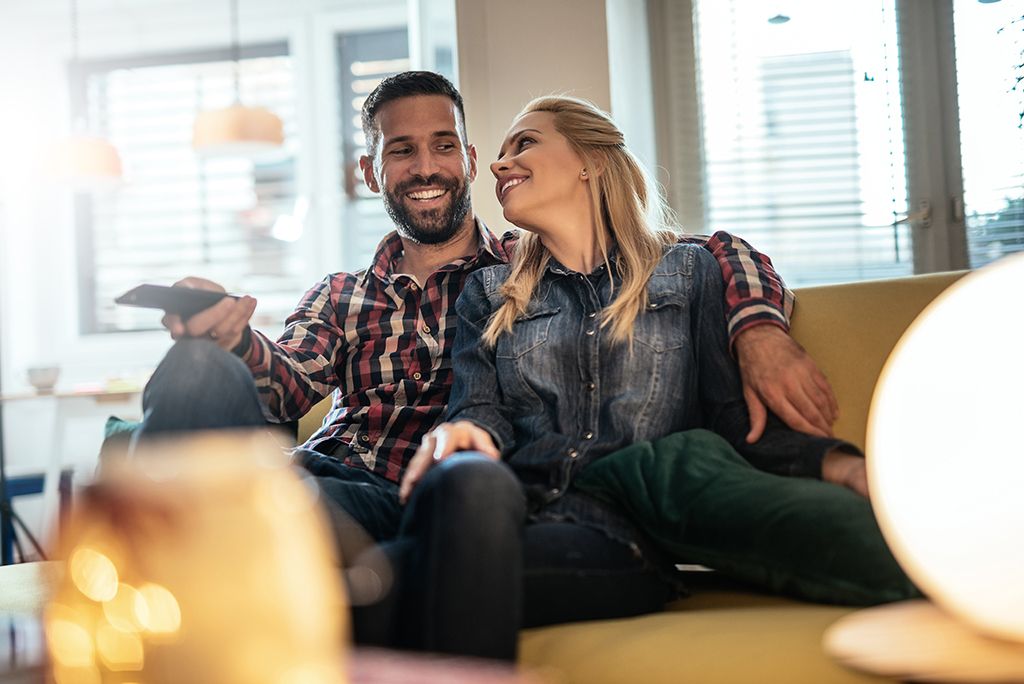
468 570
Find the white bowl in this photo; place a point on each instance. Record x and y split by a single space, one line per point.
43 378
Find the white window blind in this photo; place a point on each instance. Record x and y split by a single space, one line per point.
800 133
990 99
364 59
177 214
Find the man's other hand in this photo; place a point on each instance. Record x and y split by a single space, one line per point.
224 322
845 469
443 441
778 375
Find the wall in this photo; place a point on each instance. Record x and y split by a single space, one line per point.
512 52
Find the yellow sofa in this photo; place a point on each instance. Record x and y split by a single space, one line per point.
724 633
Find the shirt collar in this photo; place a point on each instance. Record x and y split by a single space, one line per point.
555 266
491 250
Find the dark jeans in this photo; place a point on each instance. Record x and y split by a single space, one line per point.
468 570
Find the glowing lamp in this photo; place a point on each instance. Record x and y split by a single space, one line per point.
946 473
199 560
946 466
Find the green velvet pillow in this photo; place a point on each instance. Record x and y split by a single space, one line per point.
701 502
117 434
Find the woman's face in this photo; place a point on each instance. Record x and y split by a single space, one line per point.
538 174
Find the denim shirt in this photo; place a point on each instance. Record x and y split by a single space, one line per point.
556 393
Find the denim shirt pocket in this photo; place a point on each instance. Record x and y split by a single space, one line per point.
529 332
663 324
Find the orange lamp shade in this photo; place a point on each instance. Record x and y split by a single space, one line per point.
237 130
85 160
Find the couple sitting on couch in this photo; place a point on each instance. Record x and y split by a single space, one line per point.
596 428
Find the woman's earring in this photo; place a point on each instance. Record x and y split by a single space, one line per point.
583 173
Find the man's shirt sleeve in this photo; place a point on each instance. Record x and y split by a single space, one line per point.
298 370
754 292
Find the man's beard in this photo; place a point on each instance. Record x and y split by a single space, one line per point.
437 225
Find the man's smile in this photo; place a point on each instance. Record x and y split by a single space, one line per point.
427 196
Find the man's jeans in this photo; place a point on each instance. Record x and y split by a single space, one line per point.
468 570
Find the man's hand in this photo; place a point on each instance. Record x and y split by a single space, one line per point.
845 469
443 441
224 322
779 375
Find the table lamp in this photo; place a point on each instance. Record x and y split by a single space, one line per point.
946 474
204 559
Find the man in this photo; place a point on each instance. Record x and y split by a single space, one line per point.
381 338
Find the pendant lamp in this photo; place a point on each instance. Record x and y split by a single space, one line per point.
236 131
84 160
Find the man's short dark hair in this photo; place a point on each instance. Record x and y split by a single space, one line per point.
405 84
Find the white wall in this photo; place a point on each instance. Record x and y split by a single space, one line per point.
511 52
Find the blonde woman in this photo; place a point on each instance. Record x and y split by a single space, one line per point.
596 366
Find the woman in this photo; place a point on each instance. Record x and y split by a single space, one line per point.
582 363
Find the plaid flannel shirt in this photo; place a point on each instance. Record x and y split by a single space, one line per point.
382 345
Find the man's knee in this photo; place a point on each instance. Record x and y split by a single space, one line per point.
195 367
194 354
199 386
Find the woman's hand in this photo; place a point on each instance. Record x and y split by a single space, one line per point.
841 468
443 441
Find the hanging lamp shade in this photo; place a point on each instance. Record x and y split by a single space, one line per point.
86 162
237 131
83 160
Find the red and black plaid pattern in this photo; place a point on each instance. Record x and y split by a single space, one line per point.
383 346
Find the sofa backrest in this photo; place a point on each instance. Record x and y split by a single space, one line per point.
849 329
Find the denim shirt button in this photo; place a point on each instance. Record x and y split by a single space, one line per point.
555 492
590 332
590 386
573 453
592 314
588 435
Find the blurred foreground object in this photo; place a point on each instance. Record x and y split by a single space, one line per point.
946 472
916 641
203 559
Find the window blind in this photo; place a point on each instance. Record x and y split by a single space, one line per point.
364 59
800 134
178 214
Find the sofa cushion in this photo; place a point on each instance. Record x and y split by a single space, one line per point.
717 636
850 329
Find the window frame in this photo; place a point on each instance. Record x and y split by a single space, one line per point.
932 134
82 212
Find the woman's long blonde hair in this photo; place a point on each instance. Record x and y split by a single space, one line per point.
625 204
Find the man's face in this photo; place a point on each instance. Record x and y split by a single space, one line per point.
422 167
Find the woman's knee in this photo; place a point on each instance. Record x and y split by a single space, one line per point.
476 485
